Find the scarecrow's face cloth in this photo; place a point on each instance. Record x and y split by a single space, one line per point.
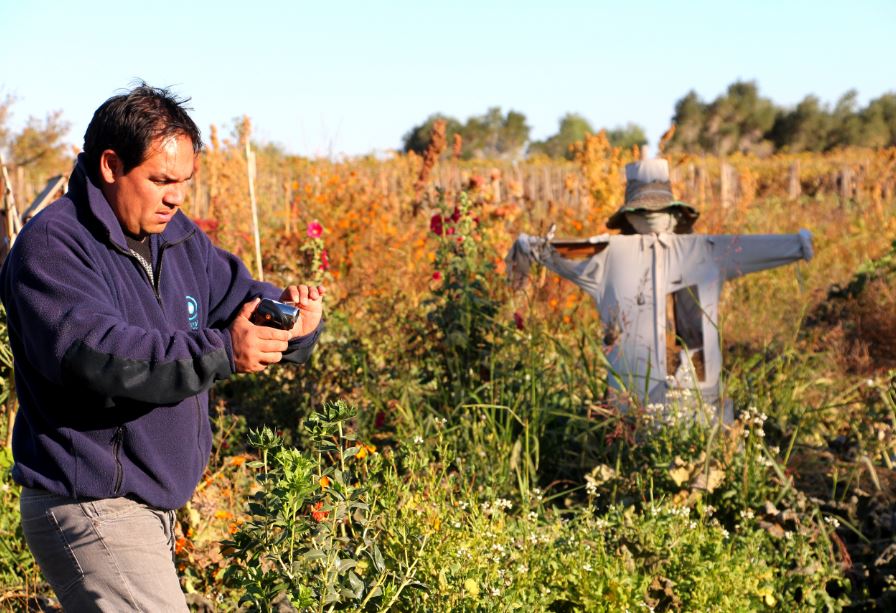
651 222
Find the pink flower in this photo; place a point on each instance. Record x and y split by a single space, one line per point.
437 276
518 320
324 260
435 224
315 230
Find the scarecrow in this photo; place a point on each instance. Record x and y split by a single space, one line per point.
657 288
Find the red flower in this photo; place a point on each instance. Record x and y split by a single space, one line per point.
435 224
455 216
518 320
437 276
315 230
209 226
324 260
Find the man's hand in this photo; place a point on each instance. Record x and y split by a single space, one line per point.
255 347
310 301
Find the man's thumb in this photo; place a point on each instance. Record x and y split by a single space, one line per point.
249 307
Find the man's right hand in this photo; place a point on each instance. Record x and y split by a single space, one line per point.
255 347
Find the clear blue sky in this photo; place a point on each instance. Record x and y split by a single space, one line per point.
330 78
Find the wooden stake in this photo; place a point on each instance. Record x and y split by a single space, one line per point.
288 190
10 212
250 167
794 188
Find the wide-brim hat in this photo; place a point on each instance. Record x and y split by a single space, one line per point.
647 188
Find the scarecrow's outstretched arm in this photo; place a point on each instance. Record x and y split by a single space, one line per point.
742 254
587 273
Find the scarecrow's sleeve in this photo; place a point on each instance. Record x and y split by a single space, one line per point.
587 273
742 254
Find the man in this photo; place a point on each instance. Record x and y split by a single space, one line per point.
657 288
121 316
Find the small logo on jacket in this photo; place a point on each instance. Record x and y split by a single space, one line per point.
193 313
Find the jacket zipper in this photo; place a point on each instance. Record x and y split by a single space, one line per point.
158 273
117 439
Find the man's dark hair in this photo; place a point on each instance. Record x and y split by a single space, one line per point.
128 124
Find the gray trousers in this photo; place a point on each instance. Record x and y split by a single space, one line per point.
114 554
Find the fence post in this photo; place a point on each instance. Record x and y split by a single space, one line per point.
794 187
727 184
845 180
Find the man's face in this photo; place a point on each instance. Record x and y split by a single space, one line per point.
146 198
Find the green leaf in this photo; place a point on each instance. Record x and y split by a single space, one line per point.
357 584
378 562
344 565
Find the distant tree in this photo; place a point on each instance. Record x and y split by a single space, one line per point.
573 128
689 117
495 134
5 111
739 120
879 119
847 129
626 137
418 137
804 128
39 148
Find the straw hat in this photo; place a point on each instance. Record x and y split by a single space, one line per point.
647 188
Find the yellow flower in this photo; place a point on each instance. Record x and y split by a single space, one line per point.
365 450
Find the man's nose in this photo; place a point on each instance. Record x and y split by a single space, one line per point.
175 195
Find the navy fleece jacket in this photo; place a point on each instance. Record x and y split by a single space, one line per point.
112 374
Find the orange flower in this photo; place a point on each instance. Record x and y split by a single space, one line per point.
179 545
316 512
223 515
324 482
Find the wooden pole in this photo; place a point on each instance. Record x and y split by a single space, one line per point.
288 187
10 212
726 185
794 188
250 167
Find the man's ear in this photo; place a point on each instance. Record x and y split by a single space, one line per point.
111 167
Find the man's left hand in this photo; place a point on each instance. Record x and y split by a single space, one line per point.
310 301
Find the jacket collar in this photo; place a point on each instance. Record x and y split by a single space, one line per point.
86 192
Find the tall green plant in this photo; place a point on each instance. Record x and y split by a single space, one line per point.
311 537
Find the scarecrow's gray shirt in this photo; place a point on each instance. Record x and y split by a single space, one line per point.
629 281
